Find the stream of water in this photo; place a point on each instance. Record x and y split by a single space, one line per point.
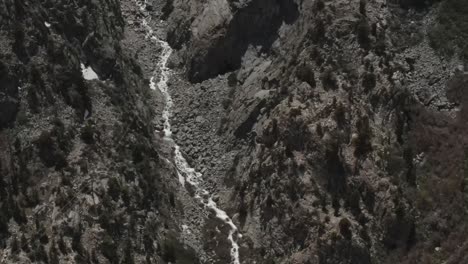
186 174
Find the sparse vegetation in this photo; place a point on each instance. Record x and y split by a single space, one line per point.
363 30
108 249
449 35
87 133
363 145
22 117
173 251
345 228
369 81
329 79
304 180
465 182
415 3
232 79
50 155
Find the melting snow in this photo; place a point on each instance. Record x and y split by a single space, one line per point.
88 73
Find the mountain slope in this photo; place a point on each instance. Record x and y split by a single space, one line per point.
328 131
334 123
82 178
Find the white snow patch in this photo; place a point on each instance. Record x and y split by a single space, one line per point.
86 114
88 73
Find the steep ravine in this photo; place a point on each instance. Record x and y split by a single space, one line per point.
233 131
187 175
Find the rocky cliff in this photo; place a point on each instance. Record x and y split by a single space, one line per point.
329 131
82 179
328 127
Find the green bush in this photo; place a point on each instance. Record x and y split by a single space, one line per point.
174 251
45 145
114 188
108 249
363 144
369 81
49 153
87 134
329 79
345 228
306 74
232 79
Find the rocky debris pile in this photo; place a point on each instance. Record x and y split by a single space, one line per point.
203 151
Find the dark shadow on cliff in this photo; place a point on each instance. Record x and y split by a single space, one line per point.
256 24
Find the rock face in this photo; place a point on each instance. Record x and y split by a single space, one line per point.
327 126
223 30
330 131
81 176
